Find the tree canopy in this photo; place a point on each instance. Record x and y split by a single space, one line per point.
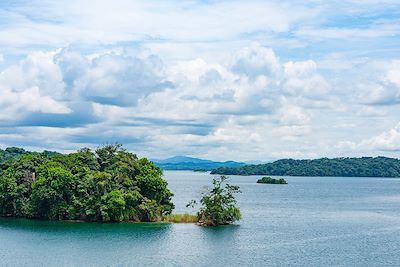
345 167
107 185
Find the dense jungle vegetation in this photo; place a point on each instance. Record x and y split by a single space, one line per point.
106 185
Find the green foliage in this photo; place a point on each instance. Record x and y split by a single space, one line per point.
8 195
52 191
270 180
345 167
113 206
219 204
12 153
108 185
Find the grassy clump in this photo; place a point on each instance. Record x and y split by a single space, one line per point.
180 218
270 180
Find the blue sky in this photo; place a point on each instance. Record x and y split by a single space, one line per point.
241 80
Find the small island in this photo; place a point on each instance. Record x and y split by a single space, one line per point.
270 180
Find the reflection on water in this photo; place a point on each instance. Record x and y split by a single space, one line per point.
311 221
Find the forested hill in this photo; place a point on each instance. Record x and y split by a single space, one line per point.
16 152
11 153
346 167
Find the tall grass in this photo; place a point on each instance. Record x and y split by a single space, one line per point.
180 218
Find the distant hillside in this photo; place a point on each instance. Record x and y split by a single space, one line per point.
346 167
16 152
188 163
11 153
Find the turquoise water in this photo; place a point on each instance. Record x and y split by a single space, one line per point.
312 221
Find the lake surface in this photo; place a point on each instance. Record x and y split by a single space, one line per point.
312 221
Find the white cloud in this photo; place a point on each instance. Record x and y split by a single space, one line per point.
370 111
375 31
33 85
293 115
254 61
386 89
386 141
104 22
56 82
38 69
302 79
254 103
15 104
119 79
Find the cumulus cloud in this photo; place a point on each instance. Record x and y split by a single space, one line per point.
30 100
117 79
386 141
254 61
33 85
385 90
251 79
64 81
133 97
302 79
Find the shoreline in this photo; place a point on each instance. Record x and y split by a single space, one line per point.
172 218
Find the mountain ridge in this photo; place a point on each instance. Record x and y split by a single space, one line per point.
192 163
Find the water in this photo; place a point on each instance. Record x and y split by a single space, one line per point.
312 221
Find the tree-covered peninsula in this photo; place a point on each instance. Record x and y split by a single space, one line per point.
345 167
107 185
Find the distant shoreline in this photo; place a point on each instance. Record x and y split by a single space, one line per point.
337 167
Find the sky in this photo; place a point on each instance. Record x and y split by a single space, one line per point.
222 80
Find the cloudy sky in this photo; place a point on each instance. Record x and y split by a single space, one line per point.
240 80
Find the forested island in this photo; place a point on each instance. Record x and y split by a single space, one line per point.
270 180
345 167
107 185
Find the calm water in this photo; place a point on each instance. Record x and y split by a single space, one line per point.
311 221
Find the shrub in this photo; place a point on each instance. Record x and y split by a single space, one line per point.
219 204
